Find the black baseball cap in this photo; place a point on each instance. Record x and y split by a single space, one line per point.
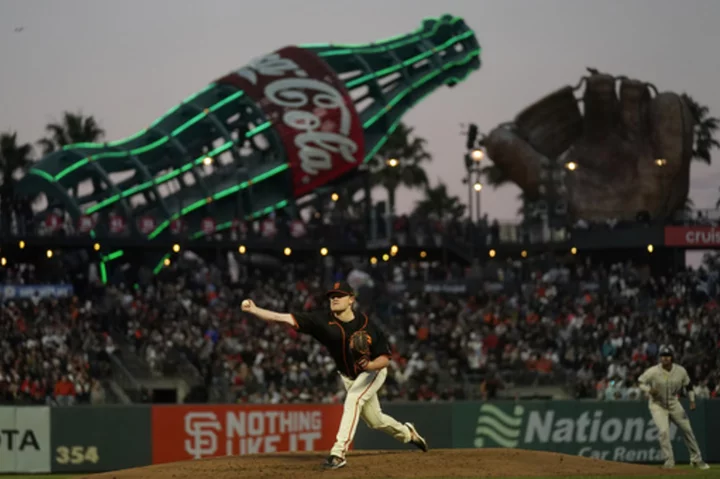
341 288
666 351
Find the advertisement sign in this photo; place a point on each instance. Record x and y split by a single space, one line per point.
207 225
24 439
692 236
146 224
99 438
117 224
616 430
182 433
53 222
297 229
474 286
459 286
311 110
85 223
26 291
177 226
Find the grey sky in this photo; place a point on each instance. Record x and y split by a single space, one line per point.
127 62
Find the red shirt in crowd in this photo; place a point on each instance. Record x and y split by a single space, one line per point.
64 388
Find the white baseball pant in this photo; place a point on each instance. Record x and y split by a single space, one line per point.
675 413
362 400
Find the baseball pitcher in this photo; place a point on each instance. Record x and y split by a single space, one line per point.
662 383
361 355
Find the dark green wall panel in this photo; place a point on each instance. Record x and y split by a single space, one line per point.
93 439
432 421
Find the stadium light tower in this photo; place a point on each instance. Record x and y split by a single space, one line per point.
473 159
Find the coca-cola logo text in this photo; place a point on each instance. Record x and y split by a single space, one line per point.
310 109
315 143
315 146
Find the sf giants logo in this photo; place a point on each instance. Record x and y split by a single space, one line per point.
203 428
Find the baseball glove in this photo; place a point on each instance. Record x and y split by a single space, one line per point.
360 342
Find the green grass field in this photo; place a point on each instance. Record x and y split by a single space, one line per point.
713 473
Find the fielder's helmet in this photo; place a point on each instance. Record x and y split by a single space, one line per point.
666 351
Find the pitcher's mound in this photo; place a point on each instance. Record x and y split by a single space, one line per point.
474 463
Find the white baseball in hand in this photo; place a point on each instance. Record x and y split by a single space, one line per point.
247 305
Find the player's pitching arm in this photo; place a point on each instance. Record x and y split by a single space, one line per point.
250 307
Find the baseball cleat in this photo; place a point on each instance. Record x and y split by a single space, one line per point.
334 462
701 465
416 438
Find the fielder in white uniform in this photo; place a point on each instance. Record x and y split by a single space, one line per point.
362 376
662 383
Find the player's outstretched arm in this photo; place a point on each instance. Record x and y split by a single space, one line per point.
644 382
689 389
250 307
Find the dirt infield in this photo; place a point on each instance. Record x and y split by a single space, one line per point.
394 464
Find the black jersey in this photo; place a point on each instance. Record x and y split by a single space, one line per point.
335 335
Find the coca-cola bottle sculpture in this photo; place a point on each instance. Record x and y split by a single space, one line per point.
254 140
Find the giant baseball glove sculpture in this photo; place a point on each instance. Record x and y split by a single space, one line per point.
631 147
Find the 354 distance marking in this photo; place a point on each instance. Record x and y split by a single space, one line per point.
77 455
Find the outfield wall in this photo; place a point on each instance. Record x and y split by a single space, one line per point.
85 439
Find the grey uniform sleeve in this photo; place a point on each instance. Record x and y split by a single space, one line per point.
644 380
688 386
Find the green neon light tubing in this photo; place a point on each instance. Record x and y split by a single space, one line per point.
370 153
226 225
396 40
142 132
143 149
442 51
469 57
386 45
344 51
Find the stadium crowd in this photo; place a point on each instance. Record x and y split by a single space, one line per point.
524 322
52 351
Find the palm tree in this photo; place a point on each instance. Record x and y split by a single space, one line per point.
705 130
704 133
522 210
346 202
407 153
74 128
14 158
438 202
688 207
494 176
